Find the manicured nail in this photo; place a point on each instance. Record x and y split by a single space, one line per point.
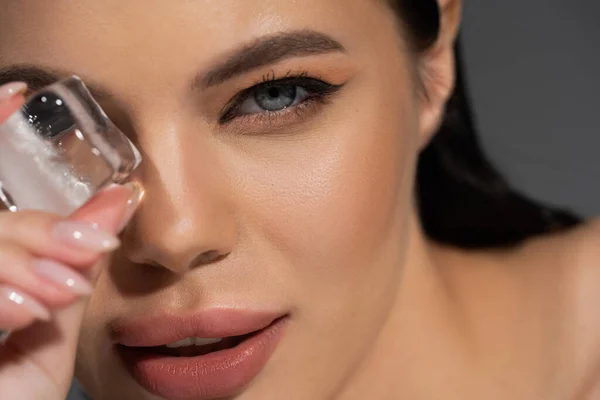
12 89
63 276
18 298
85 236
137 194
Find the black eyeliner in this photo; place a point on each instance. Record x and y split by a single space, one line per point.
316 88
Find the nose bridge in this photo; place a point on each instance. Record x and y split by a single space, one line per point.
185 219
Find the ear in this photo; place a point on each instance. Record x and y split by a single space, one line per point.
438 70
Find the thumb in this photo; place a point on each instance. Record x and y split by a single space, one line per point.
52 345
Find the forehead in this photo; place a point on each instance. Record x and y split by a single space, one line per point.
173 29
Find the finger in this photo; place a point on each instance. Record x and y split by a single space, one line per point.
18 310
11 99
111 210
61 335
52 284
77 241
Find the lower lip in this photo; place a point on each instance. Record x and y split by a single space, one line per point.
220 374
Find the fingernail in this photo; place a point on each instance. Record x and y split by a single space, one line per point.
63 276
35 308
12 89
85 236
137 194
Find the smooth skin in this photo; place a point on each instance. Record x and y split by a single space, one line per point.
309 210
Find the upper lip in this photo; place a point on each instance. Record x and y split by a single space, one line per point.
161 329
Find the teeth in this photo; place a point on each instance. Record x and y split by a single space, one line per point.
201 342
193 341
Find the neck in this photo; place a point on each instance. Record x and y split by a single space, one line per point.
421 332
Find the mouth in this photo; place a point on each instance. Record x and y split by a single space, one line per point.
196 358
197 346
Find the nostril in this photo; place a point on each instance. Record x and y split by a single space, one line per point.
208 257
179 265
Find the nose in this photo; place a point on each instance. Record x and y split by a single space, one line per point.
186 218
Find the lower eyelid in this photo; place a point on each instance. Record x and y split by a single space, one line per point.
272 122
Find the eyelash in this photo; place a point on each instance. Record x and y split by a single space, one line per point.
317 90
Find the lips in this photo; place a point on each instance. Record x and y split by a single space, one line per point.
215 370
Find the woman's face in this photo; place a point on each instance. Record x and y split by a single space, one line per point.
287 203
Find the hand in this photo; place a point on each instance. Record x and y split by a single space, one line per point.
46 267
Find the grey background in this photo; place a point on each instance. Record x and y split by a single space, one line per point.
532 70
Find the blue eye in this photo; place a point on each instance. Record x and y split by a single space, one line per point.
276 96
273 97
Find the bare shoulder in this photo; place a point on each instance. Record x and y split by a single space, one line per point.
532 314
573 262
539 306
580 259
571 256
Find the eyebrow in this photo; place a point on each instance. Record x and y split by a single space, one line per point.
264 51
38 77
269 50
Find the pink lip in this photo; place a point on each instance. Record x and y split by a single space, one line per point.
211 376
159 330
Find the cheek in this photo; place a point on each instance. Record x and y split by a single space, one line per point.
93 341
333 197
334 203
96 362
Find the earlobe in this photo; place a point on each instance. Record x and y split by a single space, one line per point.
438 70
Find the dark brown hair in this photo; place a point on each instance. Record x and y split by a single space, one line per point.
463 201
